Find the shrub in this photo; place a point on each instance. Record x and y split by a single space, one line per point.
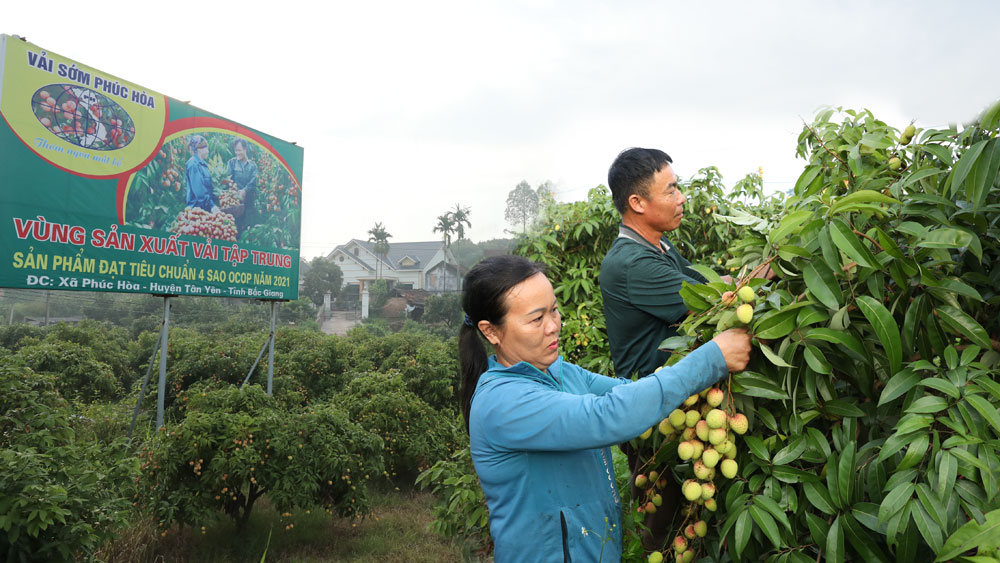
414 434
233 446
75 369
61 496
460 511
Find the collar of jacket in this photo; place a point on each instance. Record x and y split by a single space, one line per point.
526 371
629 233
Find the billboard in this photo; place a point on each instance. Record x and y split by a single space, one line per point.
108 186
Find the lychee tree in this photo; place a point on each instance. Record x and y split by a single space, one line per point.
873 400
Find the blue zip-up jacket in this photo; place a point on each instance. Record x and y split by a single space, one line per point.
541 446
199 181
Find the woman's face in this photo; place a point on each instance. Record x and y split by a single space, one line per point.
203 152
530 330
241 152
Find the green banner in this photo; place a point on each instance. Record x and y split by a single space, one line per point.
108 186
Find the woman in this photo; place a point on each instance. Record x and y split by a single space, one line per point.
541 429
199 180
243 172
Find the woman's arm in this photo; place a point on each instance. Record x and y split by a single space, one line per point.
517 414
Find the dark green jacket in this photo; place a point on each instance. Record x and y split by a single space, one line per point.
642 304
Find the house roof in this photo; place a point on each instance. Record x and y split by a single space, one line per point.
420 252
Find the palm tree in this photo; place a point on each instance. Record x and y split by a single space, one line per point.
380 237
445 226
460 218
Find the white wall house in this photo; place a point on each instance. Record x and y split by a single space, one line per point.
409 265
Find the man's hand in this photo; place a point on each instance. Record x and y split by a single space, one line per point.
735 346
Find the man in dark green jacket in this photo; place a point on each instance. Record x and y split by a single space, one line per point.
642 273
641 279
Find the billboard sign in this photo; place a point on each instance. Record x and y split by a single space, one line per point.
109 186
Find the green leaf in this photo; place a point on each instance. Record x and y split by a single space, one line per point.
932 505
972 535
885 328
788 224
928 528
677 343
768 504
894 501
755 385
898 385
964 166
822 284
775 325
849 202
818 529
844 408
835 543
947 472
849 342
988 386
942 152
965 456
693 299
774 358
983 175
767 525
912 423
848 243
789 252
947 286
791 452
915 452
845 474
928 404
816 360
862 541
950 237
942 385
741 532
987 409
819 497
964 325
757 447
811 315
709 273
920 175
787 474
866 513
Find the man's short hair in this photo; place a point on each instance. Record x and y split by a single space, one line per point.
632 173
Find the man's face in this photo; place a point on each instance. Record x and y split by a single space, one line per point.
663 208
203 152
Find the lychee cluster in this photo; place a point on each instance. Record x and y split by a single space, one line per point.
707 440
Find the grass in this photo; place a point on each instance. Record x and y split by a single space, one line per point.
397 532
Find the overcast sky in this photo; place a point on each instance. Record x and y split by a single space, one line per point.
406 108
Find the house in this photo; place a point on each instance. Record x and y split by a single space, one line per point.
409 265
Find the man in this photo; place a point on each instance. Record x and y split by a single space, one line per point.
641 278
642 273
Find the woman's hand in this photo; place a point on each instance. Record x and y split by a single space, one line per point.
735 346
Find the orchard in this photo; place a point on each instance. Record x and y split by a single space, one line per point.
871 401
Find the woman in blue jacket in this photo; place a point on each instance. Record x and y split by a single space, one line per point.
541 428
199 180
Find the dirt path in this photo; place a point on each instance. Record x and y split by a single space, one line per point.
340 322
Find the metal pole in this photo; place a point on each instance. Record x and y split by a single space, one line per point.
145 383
161 389
270 350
